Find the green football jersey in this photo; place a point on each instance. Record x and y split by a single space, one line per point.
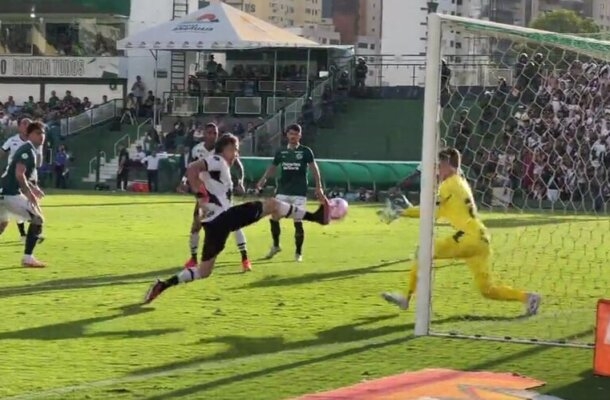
293 164
26 154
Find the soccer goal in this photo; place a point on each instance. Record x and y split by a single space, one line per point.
530 112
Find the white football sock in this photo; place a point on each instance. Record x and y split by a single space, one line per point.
189 275
240 239
291 211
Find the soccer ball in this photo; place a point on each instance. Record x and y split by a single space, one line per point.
338 208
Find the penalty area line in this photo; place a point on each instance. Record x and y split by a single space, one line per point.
197 367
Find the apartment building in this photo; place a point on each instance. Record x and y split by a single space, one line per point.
523 12
284 13
323 33
600 10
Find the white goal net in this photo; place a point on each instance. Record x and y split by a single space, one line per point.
536 151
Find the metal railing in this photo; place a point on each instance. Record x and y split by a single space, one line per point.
181 104
138 135
119 142
90 117
268 136
236 85
93 166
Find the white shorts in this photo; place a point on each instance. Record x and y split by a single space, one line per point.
18 207
299 201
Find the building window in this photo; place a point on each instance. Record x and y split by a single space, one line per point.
372 46
459 2
363 46
458 45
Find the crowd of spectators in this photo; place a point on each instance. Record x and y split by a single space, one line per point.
212 80
54 109
554 133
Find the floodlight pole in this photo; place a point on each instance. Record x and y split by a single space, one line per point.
428 176
308 72
155 55
275 81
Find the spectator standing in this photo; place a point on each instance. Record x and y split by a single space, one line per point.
140 154
139 90
60 167
130 108
152 171
53 100
361 72
123 171
184 159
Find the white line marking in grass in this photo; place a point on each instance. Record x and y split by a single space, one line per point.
200 366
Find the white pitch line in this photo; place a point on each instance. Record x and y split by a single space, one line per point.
201 366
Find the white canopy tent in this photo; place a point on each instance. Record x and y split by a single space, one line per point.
218 27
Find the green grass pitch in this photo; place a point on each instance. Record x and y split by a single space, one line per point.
74 330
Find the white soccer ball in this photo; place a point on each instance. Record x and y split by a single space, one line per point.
338 208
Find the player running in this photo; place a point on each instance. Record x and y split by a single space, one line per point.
294 161
470 242
201 151
210 179
9 147
19 197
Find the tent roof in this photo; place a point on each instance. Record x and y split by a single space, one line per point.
216 27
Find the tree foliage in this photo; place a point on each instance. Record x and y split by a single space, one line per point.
565 21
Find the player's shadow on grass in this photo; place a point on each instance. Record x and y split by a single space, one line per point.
274 281
358 331
533 221
78 329
87 282
242 346
265 372
230 340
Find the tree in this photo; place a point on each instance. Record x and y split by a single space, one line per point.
565 21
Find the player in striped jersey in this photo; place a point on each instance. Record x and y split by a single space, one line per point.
201 151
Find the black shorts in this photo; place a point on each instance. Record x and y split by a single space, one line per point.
218 230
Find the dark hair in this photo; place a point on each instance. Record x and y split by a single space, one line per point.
225 140
294 127
452 156
211 125
35 126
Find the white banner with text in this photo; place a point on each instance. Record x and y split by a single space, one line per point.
59 67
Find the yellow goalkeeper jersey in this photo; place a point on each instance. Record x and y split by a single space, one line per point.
456 205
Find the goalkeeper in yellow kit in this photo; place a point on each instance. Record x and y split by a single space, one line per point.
470 242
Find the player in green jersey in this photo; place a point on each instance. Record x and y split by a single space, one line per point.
294 162
19 197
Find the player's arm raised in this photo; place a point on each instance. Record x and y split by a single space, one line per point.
315 171
443 196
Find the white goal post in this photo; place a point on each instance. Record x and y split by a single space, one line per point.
546 236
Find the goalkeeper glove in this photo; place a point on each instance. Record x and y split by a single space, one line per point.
392 211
